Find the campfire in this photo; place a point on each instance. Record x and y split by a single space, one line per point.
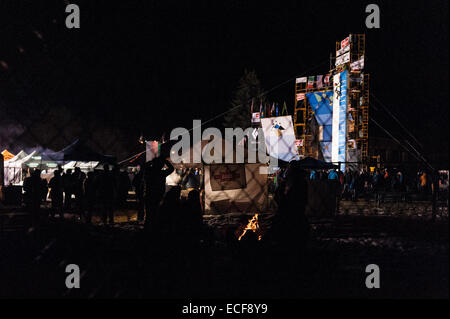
253 226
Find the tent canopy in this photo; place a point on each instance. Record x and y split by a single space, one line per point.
77 151
7 155
309 162
19 156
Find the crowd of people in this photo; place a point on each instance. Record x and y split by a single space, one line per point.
75 191
356 183
104 191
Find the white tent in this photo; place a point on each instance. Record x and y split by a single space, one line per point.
84 166
234 187
13 169
17 166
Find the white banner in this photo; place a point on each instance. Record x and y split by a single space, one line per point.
280 137
342 50
358 65
343 59
300 96
345 42
335 128
339 136
300 80
256 118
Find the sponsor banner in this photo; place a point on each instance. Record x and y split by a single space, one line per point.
357 65
227 176
300 80
299 143
345 42
343 50
356 79
326 151
322 106
339 136
311 80
256 117
279 137
345 58
352 144
300 96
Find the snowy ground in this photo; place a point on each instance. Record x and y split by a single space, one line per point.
411 251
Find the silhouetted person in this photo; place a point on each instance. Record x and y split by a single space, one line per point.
434 193
192 217
168 218
33 188
290 226
115 172
191 180
106 192
138 184
56 194
354 185
333 175
90 195
123 188
423 183
347 181
78 178
155 186
68 188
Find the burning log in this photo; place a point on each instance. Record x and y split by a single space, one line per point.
252 226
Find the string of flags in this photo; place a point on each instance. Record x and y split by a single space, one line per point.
267 110
317 81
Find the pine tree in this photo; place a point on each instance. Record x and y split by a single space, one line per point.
249 88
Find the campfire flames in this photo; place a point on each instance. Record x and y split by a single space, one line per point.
253 226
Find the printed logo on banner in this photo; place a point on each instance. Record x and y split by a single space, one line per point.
311 81
342 50
227 177
300 96
345 42
256 117
343 59
339 129
358 65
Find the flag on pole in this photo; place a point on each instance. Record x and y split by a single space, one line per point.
251 108
326 80
284 109
276 110
311 80
319 83
272 111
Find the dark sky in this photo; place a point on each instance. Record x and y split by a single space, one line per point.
154 65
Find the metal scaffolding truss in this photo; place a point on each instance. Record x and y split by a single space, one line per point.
358 102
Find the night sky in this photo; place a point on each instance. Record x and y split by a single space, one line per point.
153 65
